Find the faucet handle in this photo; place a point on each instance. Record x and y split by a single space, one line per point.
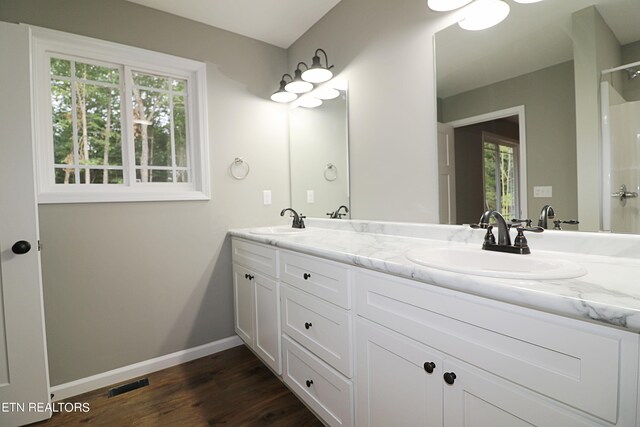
557 223
516 221
536 229
482 225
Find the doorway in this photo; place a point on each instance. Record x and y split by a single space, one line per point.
490 165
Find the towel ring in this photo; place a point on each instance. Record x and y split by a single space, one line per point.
238 163
330 172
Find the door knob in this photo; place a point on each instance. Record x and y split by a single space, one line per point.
21 247
429 367
449 377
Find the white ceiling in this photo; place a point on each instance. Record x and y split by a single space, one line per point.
533 37
277 22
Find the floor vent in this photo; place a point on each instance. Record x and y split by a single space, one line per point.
128 387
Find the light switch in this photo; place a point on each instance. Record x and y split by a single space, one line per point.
543 191
266 197
311 196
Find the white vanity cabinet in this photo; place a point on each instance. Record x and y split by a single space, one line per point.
256 300
512 366
317 329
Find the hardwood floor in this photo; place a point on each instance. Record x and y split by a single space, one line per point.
231 388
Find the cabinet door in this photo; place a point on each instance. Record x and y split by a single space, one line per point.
479 399
267 316
243 301
393 387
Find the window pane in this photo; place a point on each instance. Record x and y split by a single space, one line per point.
60 67
507 181
97 73
180 130
150 81
65 176
154 175
490 160
152 128
178 85
62 121
182 176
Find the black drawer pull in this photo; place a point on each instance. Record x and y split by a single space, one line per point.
449 377
306 276
429 367
307 325
309 383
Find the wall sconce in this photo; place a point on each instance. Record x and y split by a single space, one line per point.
281 95
481 14
303 82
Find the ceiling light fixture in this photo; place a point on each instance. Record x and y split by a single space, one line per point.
303 82
483 14
281 95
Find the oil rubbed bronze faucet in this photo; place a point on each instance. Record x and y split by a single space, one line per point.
298 220
547 214
336 214
520 244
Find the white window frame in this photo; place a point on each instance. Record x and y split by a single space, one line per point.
46 43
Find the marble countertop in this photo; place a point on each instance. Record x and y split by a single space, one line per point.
609 293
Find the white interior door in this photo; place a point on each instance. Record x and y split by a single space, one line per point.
446 174
24 378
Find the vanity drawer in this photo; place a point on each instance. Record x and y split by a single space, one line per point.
257 257
323 328
325 279
575 362
324 390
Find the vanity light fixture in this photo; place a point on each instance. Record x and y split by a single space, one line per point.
297 85
446 5
309 101
483 14
305 81
281 95
325 92
317 73
479 15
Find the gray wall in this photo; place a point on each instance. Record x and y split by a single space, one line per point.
548 97
385 49
131 281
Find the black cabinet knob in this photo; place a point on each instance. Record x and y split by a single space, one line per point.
429 367
449 377
307 325
306 275
309 383
21 247
246 276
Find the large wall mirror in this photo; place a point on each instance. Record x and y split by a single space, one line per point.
319 157
520 118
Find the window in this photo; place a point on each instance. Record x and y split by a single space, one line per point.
500 163
116 123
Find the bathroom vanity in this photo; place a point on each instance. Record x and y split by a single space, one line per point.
366 334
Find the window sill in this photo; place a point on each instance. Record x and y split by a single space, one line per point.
119 197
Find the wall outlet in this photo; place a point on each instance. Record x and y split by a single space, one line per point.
266 197
543 191
311 196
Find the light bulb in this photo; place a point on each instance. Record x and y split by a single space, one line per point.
325 93
317 75
283 96
309 102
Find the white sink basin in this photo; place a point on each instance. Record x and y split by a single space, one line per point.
479 262
277 231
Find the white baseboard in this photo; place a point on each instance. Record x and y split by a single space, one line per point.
83 385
